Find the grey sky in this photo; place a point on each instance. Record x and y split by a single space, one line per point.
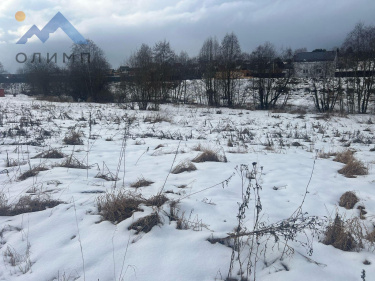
120 27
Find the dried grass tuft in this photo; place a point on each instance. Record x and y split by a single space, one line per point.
27 204
145 224
354 168
72 163
156 201
141 182
50 154
184 166
118 206
345 156
209 155
337 236
348 200
73 138
32 173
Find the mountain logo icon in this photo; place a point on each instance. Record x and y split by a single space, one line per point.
58 21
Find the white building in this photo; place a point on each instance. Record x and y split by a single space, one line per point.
315 64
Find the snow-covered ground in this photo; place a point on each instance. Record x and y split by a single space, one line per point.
72 241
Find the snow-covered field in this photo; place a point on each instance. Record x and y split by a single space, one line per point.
71 241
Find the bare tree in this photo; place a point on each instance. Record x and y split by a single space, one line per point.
181 69
327 89
359 56
269 82
88 74
42 77
142 82
164 59
208 62
230 54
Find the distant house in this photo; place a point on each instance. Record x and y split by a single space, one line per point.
315 64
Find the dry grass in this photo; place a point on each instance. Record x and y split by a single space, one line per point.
156 118
184 166
55 98
337 236
156 201
326 155
354 168
72 163
145 224
14 162
141 182
371 236
345 156
32 173
27 204
348 200
198 147
73 138
50 154
209 155
108 176
116 207
159 146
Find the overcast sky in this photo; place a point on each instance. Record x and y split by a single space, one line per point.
119 27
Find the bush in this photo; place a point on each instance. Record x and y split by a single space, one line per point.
348 200
184 166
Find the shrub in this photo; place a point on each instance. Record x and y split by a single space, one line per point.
145 224
184 166
348 200
116 207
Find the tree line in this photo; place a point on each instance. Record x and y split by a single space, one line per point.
156 74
